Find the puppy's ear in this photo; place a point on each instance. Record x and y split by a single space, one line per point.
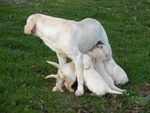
86 65
107 57
29 27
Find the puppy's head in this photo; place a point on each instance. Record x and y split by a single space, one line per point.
105 51
90 54
31 24
97 52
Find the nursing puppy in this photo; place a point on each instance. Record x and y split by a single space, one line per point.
67 38
114 70
93 80
66 76
99 67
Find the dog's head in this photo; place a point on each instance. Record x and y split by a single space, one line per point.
30 26
97 52
90 54
105 50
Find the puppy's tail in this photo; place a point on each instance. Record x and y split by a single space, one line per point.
54 64
51 76
114 92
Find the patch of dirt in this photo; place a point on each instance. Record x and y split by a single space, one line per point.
15 1
145 89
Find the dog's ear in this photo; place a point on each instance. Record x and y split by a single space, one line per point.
86 65
107 56
29 27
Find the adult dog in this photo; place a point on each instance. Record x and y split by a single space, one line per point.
68 38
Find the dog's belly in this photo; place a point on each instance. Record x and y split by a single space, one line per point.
89 33
87 45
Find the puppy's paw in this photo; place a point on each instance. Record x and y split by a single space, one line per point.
80 91
71 90
61 90
55 89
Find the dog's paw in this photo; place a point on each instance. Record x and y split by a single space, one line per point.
55 89
80 91
61 90
71 90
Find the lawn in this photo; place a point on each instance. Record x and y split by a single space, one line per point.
23 66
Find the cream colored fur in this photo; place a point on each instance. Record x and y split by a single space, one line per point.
93 80
66 76
67 38
113 69
99 67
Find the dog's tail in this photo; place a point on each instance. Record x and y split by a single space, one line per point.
114 92
54 64
51 76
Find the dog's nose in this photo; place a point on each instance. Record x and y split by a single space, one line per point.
27 30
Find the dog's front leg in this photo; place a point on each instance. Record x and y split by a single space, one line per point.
78 60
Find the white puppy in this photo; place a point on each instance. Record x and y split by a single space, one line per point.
93 80
114 70
67 38
99 67
66 74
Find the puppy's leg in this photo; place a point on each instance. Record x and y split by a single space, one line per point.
69 83
55 89
62 60
68 86
60 83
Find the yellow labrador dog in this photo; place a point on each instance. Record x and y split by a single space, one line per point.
68 38
113 69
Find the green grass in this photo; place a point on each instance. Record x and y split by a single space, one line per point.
23 58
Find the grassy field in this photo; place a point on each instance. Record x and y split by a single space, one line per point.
23 66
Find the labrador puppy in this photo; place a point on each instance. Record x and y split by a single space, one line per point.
113 69
67 38
99 67
93 80
66 76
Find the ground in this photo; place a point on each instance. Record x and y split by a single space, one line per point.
23 57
